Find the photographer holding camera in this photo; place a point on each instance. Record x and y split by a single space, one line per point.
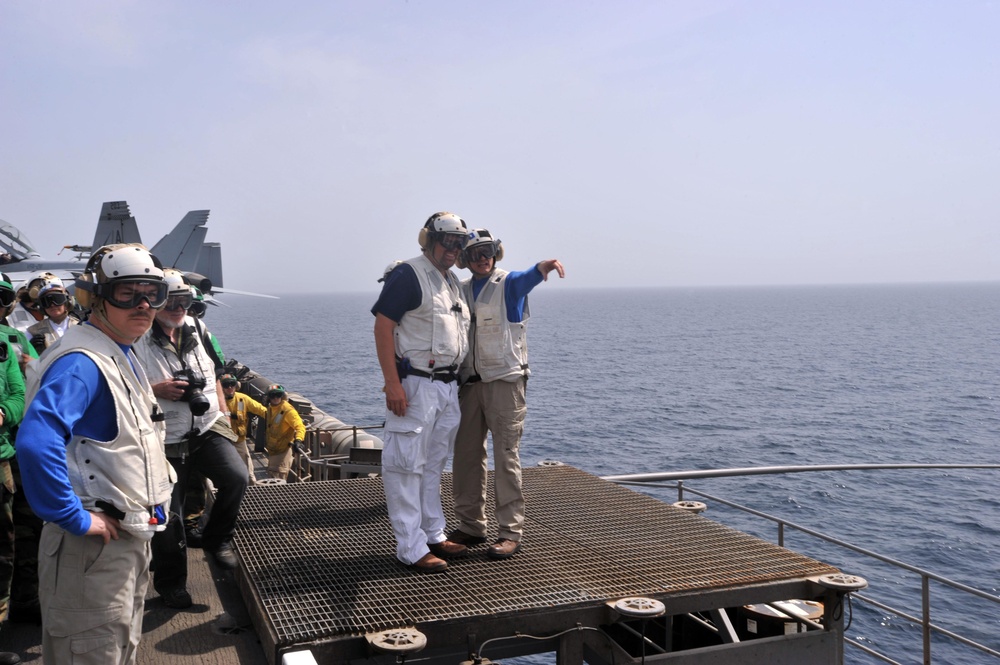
199 438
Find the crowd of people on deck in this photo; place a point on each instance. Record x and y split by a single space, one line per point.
117 410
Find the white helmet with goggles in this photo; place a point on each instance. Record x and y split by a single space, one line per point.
178 291
439 225
114 268
53 294
481 243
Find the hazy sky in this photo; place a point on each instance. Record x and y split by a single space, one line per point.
706 142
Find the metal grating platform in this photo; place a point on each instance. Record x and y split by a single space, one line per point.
318 559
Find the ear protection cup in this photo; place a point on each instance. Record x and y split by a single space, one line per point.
84 283
37 283
424 237
87 280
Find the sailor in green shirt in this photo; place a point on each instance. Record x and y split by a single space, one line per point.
22 349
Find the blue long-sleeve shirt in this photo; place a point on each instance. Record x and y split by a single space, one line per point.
516 289
73 400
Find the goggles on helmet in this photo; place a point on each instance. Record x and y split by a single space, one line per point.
177 302
452 241
7 298
129 293
229 383
53 299
480 252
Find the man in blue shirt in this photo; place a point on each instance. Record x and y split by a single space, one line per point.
90 449
494 378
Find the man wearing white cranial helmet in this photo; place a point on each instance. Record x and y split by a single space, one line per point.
26 312
92 464
199 438
57 304
494 378
421 328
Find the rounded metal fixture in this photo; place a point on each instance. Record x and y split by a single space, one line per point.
398 640
640 607
843 582
690 506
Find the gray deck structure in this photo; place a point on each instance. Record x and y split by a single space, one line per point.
318 573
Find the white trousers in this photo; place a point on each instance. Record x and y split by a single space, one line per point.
417 447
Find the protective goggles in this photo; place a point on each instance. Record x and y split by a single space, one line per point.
6 298
130 293
452 241
229 383
275 393
480 252
53 299
175 303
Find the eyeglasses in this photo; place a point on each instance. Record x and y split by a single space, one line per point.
452 241
480 252
53 299
129 294
175 303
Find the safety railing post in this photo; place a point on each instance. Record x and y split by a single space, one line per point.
925 593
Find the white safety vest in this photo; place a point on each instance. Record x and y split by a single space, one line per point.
160 365
435 335
499 348
131 471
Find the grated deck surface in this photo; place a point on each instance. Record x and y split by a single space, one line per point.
321 556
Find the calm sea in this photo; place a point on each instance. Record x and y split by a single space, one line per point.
641 380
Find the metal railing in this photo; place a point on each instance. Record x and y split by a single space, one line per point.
927 627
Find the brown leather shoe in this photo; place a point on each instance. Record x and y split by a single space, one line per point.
503 549
462 538
429 563
447 548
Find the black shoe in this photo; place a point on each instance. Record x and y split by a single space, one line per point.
462 538
193 537
225 556
178 598
8 658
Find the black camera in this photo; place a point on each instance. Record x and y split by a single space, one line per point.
193 394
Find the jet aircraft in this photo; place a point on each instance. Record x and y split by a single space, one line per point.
183 248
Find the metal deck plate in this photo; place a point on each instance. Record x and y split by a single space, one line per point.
320 556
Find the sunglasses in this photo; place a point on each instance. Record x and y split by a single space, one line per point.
175 303
452 241
480 252
53 299
129 294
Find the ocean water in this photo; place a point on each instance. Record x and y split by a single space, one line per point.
643 380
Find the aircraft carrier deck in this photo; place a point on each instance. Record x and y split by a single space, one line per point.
318 573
